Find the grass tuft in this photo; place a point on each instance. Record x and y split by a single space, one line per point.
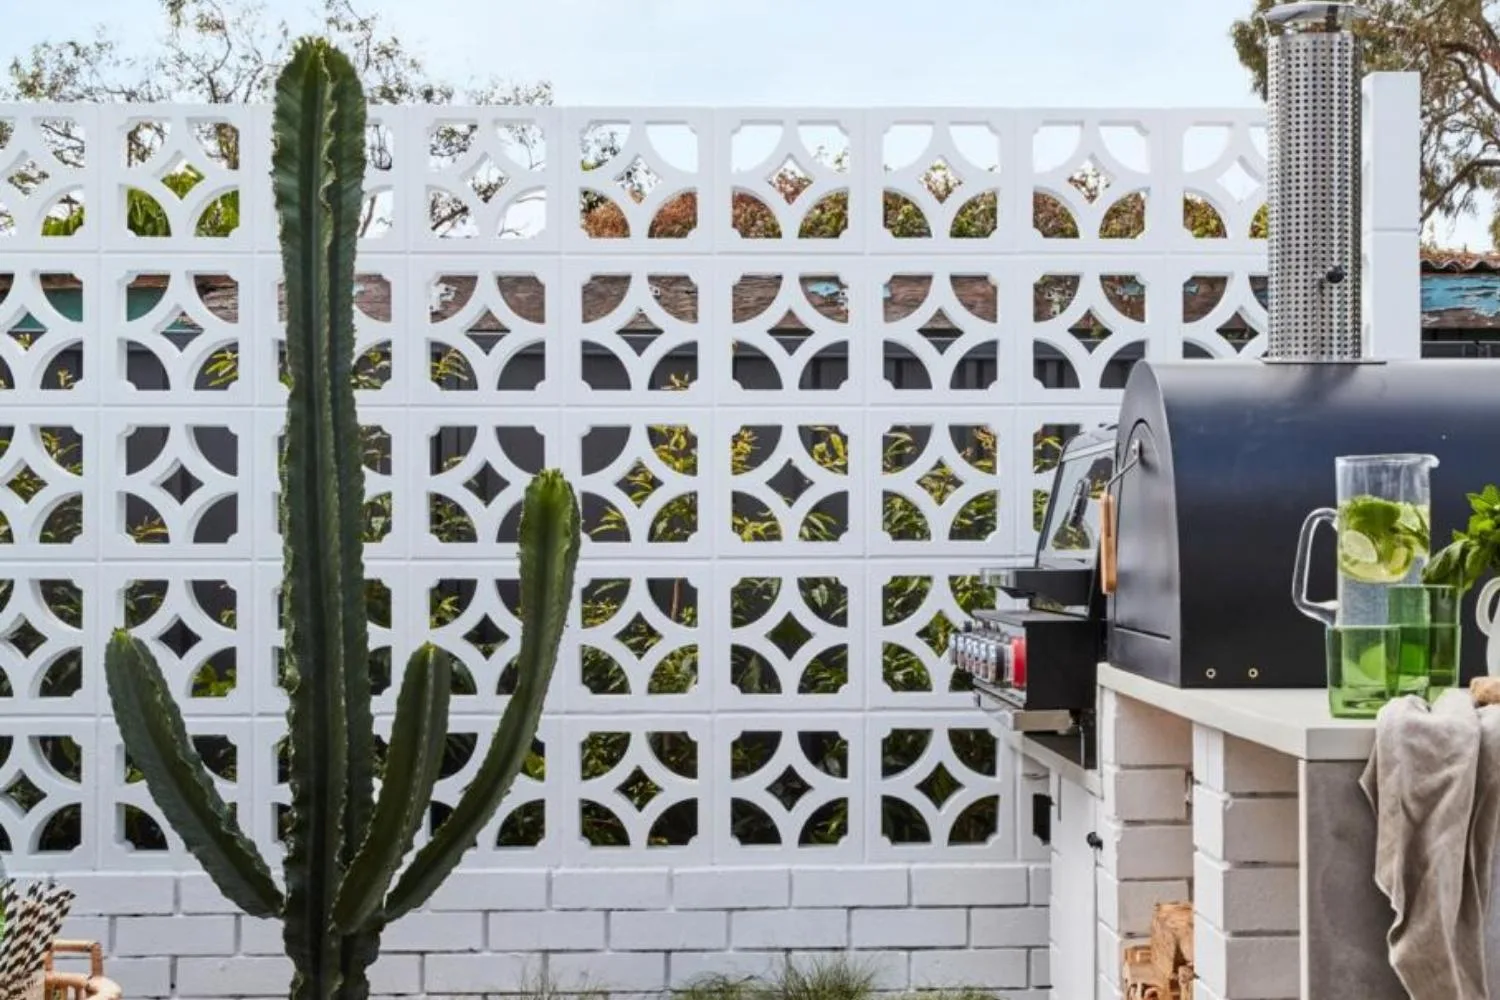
836 978
724 988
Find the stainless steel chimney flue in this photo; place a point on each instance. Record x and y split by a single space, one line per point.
1313 182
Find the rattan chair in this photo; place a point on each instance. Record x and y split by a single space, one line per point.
77 985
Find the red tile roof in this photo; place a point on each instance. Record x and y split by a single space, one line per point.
1435 261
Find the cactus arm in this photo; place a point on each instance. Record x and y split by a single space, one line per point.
311 175
550 538
158 742
418 738
346 197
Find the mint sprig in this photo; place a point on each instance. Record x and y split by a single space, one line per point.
1473 552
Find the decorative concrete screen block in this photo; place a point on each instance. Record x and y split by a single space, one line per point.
810 369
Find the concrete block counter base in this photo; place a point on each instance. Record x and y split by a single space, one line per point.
1270 834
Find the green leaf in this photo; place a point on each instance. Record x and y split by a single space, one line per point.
1476 561
550 537
317 172
412 765
1475 552
158 742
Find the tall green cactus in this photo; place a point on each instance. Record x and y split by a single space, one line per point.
345 844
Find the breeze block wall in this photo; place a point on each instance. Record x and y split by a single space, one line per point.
809 369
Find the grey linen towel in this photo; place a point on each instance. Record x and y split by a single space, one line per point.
1433 780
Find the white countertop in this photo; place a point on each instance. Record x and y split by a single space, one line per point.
1292 721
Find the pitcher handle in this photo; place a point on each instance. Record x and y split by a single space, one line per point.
1484 606
1323 611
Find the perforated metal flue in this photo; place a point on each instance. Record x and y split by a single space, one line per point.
1313 188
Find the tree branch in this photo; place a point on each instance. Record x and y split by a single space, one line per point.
1460 177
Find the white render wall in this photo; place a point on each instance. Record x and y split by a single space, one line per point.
639 915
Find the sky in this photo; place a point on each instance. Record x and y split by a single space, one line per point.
808 53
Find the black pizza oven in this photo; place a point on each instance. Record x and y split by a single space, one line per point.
1218 464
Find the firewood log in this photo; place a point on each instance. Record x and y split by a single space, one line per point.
1171 939
1185 979
1486 690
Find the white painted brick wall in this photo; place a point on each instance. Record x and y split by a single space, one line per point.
693 930
1132 734
260 937
1235 828
542 930
1228 764
1146 817
635 931
492 972
635 971
485 891
1040 967
1245 968
1041 884
1157 794
396 975
142 936
119 895
197 894
623 889
148 977
1245 876
431 932
1246 899
1000 967
1146 851
851 886
775 929
241 975
909 928
731 888
1009 927
964 885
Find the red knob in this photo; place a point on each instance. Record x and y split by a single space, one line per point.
1018 659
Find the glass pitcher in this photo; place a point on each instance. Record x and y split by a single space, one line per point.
1384 538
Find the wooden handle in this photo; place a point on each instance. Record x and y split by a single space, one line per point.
1107 543
92 949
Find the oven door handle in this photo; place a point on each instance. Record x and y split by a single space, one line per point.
1109 538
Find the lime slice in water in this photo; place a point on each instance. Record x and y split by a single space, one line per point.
1361 559
1356 549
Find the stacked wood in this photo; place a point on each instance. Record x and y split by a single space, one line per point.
1163 968
1140 975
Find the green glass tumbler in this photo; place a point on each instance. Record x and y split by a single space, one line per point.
1428 617
1363 664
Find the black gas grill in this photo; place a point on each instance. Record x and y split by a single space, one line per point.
1036 665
